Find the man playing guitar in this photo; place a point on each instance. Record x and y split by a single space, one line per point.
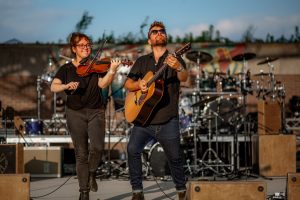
162 122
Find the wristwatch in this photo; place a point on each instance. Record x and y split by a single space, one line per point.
180 69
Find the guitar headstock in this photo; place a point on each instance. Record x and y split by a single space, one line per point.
183 49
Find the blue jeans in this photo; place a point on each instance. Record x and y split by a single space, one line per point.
169 137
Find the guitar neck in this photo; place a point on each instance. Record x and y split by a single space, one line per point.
156 75
182 50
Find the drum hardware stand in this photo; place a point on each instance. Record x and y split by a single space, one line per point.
5 123
109 164
209 164
38 88
281 96
283 117
237 173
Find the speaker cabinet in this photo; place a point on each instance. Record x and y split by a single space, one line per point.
274 155
293 187
14 186
224 190
269 117
11 158
43 161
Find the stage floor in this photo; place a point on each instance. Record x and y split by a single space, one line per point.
120 189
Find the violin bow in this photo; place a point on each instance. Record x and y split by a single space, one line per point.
98 54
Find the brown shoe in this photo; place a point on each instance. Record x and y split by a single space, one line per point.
138 196
181 195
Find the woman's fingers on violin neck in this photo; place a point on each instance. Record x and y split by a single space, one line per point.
116 60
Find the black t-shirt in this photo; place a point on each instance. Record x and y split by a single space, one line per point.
167 107
87 95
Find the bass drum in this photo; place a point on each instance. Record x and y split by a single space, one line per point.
158 161
34 127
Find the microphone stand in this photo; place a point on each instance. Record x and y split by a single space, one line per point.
38 88
111 94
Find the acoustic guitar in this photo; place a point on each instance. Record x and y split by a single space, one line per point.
139 105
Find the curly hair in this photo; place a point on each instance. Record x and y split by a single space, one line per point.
75 38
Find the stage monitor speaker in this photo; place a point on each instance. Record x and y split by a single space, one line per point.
15 186
11 158
269 117
293 187
274 155
224 190
43 161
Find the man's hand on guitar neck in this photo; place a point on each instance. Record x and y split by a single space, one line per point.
172 62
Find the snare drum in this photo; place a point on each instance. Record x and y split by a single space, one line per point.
34 127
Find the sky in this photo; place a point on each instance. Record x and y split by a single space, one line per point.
53 20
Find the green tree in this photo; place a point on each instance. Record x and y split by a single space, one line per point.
84 22
248 35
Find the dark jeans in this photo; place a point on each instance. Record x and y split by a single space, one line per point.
169 137
87 130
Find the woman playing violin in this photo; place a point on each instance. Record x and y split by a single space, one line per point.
85 111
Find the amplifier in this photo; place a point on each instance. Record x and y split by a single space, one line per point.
11 158
43 161
14 186
274 155
269 117
224 190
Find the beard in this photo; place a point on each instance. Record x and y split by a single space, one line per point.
159 41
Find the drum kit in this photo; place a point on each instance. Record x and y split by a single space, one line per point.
210 116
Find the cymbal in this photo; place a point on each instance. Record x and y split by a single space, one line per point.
267 60
240 73
244 56
199 57
262 74
204 101
217 73
232 110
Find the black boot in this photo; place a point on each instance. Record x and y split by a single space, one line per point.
84 195
92 182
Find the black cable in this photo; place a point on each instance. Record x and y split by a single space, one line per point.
53 190
155 179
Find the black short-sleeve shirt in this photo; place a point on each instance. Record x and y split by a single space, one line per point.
87 95
167 107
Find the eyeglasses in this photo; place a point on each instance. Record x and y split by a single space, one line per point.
82 46
155 32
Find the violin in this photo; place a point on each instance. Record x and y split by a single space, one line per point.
99 66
